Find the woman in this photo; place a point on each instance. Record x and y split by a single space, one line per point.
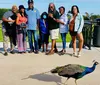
21 29
53 26
75 27
44 32
63 27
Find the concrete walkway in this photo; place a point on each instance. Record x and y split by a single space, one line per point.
25 69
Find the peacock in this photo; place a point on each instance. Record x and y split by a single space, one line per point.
74 71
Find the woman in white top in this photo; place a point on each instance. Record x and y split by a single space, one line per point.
63 27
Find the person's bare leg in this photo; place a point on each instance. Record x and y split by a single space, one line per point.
46 47
53 44
52 48
74 46
80 37
74 43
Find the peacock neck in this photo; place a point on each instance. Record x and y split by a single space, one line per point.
93 67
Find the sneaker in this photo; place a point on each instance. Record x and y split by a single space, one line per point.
62 51
12 52
79 54
30 51
36 52
5 54
42 51
20 52
24 52
74 54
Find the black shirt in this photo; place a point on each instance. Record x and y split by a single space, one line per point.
52 24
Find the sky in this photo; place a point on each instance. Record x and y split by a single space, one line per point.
90 6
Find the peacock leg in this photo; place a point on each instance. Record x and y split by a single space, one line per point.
75 82
65 81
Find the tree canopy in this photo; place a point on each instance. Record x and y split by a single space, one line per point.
2 11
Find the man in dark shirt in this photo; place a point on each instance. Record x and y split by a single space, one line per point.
53 26
9 29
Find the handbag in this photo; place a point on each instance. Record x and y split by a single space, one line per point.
23 25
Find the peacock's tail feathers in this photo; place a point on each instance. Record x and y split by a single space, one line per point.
71 69
57 69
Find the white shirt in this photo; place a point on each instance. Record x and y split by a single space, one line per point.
64 28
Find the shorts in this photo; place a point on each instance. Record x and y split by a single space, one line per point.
72 33
44 38
54 34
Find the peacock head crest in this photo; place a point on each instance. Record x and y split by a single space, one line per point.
95 62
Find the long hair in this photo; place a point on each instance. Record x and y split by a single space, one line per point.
73 8
49 10
24 13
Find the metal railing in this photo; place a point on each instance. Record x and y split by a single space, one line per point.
87 34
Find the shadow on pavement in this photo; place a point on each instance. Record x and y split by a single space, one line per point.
60 54
46 78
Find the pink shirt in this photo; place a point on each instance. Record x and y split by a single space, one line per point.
21 19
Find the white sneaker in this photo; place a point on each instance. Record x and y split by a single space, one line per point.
79 54
74 54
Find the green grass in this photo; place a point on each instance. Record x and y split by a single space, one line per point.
68 39
1 37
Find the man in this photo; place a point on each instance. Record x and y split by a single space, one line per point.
53 26
33 21
9 29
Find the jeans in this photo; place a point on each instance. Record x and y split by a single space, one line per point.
63 37
30 39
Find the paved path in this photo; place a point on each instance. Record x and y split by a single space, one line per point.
25 69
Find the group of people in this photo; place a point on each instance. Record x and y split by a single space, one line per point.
19 23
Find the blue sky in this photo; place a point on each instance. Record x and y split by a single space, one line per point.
91 6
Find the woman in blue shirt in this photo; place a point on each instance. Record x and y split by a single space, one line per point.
75 27
44 32
63 21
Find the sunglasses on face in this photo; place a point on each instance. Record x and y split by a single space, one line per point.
51 7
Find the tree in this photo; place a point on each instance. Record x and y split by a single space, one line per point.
90 16
2 11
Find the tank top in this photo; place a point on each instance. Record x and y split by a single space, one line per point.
72 24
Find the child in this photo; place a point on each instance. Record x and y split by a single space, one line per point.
44 32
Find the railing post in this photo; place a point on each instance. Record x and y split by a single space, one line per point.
90 36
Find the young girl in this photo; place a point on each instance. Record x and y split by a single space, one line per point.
21 29
44 32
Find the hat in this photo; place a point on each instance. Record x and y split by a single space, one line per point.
30 1
21 7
